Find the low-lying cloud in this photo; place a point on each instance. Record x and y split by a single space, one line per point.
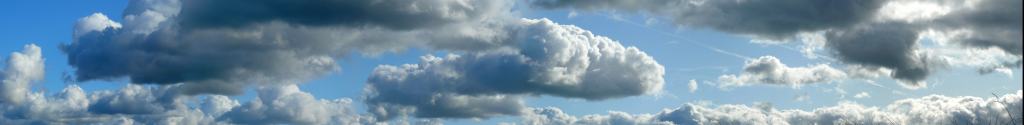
933 109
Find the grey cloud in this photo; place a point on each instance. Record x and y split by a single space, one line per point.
763 18
991 23
549 59
862 33
933 109
888 45
159 105
396 14
769 70
155 46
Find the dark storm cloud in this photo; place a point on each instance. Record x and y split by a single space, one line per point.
550 59
397 14
773 19
992 23
890 45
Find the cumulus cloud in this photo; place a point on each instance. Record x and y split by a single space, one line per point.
933 109
549 59
769 70
875 33
162 105
21 70
192 41
289 105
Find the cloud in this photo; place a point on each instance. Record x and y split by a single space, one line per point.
289 105
933 109
394 14
141 104
548 59
692 85
191 41
862 95
891 46
855 32
769 70
555 116
21 70
761 18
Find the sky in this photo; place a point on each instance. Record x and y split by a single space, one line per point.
511 62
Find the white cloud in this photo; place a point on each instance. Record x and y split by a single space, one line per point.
862 95
22 69
289 105
769 70
93 23
933 109
547 59
693 85
139 104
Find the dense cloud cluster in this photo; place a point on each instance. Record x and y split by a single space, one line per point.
549 59
222 46
138 104
189 48
933 109
873 33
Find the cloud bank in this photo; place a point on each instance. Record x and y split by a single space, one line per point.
139 104
933 109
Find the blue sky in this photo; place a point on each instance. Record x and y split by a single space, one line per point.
686 53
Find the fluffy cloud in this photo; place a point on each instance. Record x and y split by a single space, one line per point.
22 69
139 104
555 116
933 109
192 41
769 70
548 59
288 105
878 34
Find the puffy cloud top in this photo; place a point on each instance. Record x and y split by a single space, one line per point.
549 59
933 109
22 69
769 70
